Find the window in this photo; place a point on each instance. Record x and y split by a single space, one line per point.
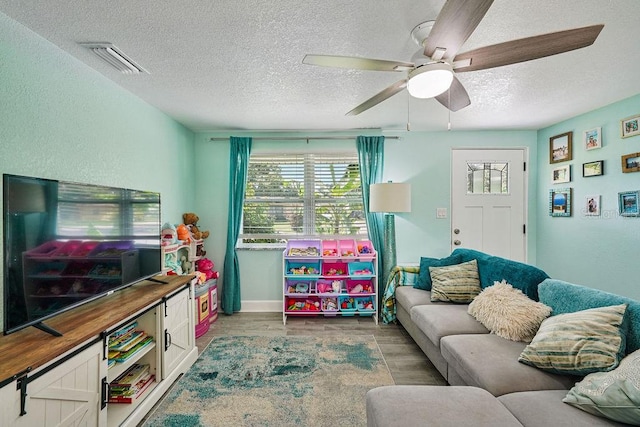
487 178
302 195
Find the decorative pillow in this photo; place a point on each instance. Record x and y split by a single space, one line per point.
455 283
424 278
508 312
578 343
614 394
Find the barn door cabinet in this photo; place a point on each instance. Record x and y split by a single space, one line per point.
72 388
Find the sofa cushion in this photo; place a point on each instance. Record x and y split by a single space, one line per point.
408 297
564 297
579 343
455 283
614 394
424 278
496 269
508 313
438 320
491 362
405 405
545 409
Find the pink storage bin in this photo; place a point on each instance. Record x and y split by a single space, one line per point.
330 248
365 249
67 249
355 287
45 250
303 248
326 286
334 269
84 249
306 305
348 248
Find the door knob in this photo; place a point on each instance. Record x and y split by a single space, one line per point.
457 242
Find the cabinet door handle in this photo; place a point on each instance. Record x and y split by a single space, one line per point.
104 394
167 340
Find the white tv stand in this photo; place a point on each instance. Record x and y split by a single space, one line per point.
47 380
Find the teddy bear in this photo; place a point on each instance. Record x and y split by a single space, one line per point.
190 219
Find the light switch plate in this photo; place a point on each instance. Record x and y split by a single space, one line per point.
441 213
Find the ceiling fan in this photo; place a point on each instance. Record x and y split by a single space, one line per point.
431 72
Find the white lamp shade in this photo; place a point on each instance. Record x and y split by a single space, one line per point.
430 80
390 197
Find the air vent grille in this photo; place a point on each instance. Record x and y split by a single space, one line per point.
114 56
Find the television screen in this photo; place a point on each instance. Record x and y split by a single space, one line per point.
68 243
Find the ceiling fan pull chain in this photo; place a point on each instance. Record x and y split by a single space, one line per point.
449 109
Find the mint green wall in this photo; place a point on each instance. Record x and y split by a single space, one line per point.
420 158
600 252
63 120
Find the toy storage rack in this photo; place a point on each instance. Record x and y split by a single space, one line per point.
320 275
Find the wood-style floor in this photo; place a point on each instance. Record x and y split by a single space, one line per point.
407 363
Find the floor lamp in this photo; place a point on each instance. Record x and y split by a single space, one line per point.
390 198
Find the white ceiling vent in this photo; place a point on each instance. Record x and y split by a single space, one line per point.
115 57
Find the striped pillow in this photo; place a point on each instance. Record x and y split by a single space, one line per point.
455 283
578 343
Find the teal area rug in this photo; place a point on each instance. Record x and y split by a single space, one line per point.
276 381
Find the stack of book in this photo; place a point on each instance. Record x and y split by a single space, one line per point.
131 384
126 342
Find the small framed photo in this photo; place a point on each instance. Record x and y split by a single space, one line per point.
592 205
561 174
593 168
560 147
628 203
593 139
560 202
630 126
631 163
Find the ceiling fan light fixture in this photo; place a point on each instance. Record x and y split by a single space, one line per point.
430 80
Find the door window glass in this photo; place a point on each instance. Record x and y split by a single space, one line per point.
487 178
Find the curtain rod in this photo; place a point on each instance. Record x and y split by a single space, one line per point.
298 138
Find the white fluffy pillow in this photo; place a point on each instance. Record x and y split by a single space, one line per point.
508 313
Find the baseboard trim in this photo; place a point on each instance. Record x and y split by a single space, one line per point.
261 306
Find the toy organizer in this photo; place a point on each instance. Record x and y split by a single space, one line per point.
330 278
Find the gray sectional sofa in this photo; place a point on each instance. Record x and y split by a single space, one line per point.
489 386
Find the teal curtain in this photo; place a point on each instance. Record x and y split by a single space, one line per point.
240 149
371 160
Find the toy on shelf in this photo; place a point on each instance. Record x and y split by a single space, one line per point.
308 251
303 270
205 265
306 305
169 234
347 304
329 304
183 233
190 220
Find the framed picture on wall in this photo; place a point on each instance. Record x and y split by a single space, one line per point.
593 168
560 202
592 205
593 139
561 174
631 163
630 126
628 203
560 147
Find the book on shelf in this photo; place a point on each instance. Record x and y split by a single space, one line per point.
125 355
124 330
126 341
130 394
131 376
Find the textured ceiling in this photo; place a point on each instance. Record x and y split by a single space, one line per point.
237 64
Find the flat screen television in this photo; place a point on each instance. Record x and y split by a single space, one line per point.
67 243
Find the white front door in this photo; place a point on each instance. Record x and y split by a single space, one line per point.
488 195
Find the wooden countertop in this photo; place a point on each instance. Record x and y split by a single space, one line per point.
31 348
